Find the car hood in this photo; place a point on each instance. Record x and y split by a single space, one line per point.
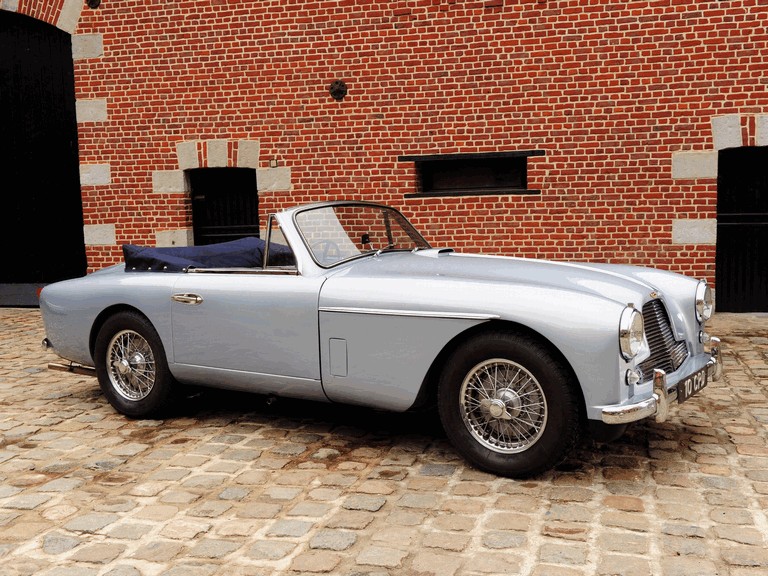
426 269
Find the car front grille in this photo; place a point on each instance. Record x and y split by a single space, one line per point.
666 353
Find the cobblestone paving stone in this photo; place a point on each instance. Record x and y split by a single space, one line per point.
230 485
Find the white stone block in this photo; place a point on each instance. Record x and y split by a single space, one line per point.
91 110
95 174
217 153
692 165
761 129
690 231
70 15
182 237
726 131
99 234
186 152
168 181
273 179
87 46
248 153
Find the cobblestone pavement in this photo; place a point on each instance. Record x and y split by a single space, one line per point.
234 486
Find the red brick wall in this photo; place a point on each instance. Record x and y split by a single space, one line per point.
609 89
46 11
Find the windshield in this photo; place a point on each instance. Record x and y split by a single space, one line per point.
340 232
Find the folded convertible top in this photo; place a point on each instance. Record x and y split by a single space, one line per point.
245 252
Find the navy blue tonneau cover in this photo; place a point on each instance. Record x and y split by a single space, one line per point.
245 252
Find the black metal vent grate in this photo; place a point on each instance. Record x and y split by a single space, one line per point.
666 353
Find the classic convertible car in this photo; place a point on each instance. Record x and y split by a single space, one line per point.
346 302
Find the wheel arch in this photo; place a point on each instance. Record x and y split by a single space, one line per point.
428 391
102 318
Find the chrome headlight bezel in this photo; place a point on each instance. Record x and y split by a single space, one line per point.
705 303
631 332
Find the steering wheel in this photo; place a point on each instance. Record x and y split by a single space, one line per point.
327 251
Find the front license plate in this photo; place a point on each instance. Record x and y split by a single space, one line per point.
691 385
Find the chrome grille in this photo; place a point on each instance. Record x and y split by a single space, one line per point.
666 353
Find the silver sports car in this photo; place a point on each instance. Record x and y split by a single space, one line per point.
346 302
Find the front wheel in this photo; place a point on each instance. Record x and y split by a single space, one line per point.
131 366
508 405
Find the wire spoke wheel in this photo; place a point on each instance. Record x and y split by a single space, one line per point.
508 404
131 365
503 406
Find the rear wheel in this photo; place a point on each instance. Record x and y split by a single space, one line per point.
131 366
508 405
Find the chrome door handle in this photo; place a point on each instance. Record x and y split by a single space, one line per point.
192 299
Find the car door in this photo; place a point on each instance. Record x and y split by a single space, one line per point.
246 325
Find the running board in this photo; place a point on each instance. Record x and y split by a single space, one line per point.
72 368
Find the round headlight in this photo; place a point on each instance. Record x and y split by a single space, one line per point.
631 332
705 304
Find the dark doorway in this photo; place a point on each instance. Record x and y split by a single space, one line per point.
742 230
41 222
225 204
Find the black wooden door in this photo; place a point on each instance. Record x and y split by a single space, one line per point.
41 220
742 230
225 204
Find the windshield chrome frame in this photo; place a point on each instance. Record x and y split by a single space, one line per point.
342 203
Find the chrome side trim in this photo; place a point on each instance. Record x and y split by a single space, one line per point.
416 313
288 271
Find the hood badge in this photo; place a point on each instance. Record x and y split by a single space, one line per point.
654 295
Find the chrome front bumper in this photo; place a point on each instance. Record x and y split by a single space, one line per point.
659 402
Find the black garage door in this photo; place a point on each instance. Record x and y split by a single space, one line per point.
41 221
742 230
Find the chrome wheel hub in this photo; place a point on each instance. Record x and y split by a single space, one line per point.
122 366
505 406
496 408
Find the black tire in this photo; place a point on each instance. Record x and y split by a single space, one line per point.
508 405
131 366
